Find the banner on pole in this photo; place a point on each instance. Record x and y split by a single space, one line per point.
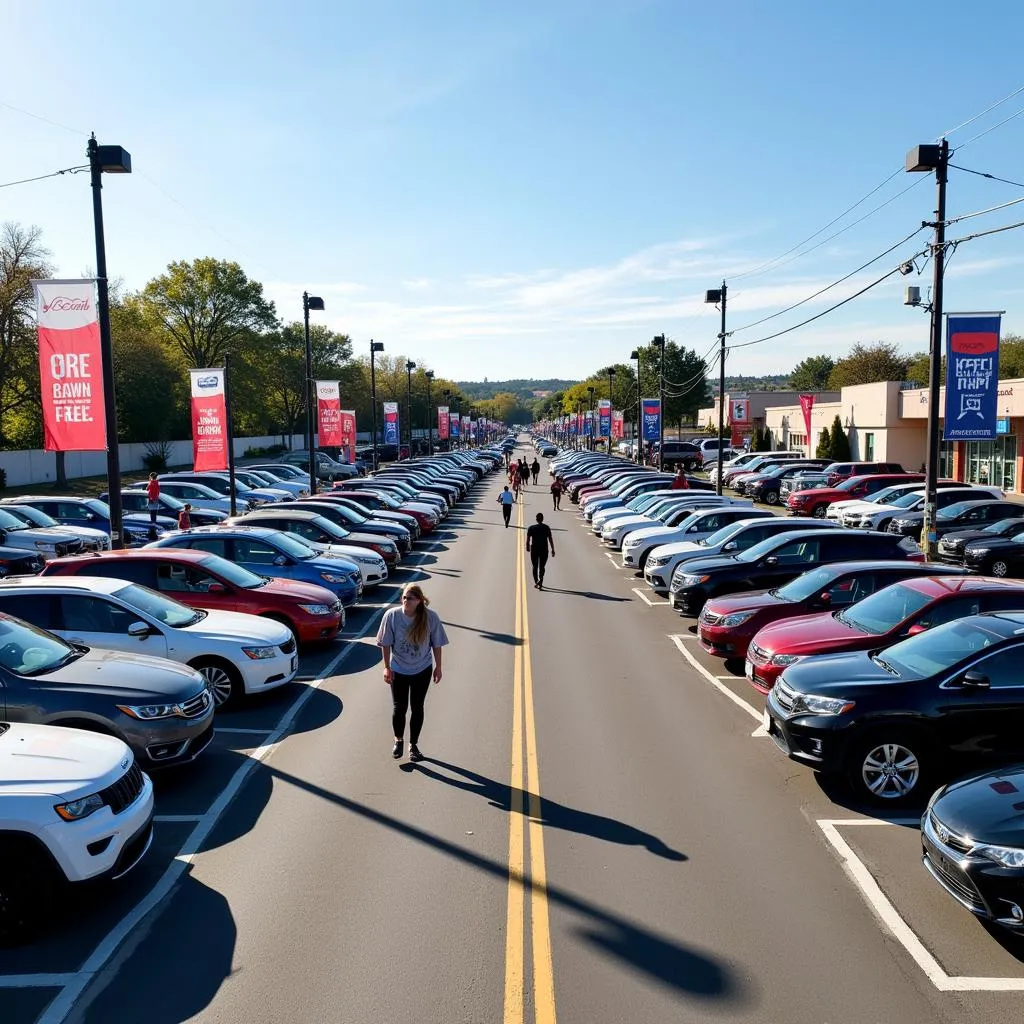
70 366
588 423
739 411
806 406
618 424
209 420
972 377
391 423
604 415
348 434
328 410
442 422
652 418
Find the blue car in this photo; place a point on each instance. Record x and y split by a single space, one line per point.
91 512
273 553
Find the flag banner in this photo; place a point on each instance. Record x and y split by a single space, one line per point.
328 411
573 426
70 366
972 377
442 422
604 412
806 405
739 410
391 423
472 429
588 423
453 426
209 420
618 424
348 434
652 418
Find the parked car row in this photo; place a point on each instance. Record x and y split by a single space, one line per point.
114 663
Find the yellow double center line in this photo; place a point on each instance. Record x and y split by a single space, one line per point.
524 727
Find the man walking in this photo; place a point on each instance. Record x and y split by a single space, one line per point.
535 470
556 493
506 499
538 540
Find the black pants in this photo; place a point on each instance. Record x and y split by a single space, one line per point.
506 511
540 560
536 473
402 688
555 499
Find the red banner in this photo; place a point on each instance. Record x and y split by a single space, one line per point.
209 420
70 366
806 405
328 409
348 434
618 424
442 422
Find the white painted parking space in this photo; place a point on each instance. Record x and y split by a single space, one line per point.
647 601
758 716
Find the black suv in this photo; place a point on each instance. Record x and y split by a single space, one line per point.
778 560
680 453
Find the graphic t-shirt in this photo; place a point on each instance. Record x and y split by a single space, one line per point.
406 657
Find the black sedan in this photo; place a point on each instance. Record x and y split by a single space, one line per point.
778 560
955 512
19 562
953 546
996 556
972 840
889 721
351 520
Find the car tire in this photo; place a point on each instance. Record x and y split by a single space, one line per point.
890 767
222 680
818 512
771 497
28 889
998 567
883 526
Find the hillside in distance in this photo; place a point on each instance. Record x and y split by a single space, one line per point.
524 390
761 382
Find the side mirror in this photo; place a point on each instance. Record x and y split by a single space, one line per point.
825 598
771 560
281 560
216 588
976 679
916 628
140 630
729 546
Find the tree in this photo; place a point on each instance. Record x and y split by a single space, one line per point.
812 373
839 442
1011 356
867 364
824 448
207 307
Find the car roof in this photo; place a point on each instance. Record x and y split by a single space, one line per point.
220 530
936 588
988 501
95 584
136 554
293 513
914 568
20 499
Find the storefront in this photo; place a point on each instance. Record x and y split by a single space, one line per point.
982 462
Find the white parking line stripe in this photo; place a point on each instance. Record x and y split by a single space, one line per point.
737 700
172 818
35 980
647 601
247 732
890 917
760 731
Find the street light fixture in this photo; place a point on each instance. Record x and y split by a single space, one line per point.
933 158
375 346
310 302
109 160
429 374
409 367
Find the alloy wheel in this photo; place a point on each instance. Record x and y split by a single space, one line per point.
218 682
890 771
1000 568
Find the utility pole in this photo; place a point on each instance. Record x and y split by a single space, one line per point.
716 296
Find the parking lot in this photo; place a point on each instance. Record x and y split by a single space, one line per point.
880 852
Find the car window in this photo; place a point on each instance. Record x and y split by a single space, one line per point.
183 579
884 609
1002 669
949 611
259 552
215 546
120 569
39 609
849 591
800 552
132 502
94 614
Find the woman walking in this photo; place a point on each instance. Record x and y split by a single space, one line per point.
153 497
410 638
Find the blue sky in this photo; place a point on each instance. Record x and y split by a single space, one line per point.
529 189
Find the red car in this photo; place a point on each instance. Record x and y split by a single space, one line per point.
880 620
374 501
203 580
815 500
727 624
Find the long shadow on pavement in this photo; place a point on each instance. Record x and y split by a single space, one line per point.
590 594
500 638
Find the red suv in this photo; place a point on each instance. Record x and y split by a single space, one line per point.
815 500
885 617
203 580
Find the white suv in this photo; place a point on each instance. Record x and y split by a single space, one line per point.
74 807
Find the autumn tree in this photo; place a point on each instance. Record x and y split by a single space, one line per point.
867 364
812 373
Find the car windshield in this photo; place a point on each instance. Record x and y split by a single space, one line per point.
101 508
726 533
883 610
203 489
954 510
886 495
289 544
158 606
1003 527
31 516
172 502
907 500
803 586
10 522
236 574
762 548
29 651
936 650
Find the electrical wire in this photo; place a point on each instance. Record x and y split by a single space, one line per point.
983 174
981 213
1000 124
982 234
39 117
827 287
42 177
971 120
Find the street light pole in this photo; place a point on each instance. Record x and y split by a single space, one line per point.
409 367
113 160
659 341
635 354
429 374
936 158
310 302
375 346
590 390
717 296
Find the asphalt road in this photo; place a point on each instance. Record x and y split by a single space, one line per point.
595 836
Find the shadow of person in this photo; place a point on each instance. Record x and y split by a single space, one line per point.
589 594
552 814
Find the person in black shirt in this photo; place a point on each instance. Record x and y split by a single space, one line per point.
535 470
538 540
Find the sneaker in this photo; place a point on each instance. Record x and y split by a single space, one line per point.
396 750
414 753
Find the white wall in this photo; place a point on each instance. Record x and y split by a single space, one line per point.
36 466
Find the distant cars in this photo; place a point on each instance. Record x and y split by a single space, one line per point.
136 500
88 512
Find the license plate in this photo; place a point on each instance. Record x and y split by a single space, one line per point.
295 662
748 669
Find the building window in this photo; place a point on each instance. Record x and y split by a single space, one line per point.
869 447
993 463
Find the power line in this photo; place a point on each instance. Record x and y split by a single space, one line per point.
971 120
1000 124
42 177
981 213
991 177
39 117
981 234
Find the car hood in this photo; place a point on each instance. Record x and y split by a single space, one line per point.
47 759
124 677
699 566
348 552
653 533
690 548
837 674
298 591
239 626
46 534
964 536
912 516
987 542
987 807
325 561
756 601
632 520
812 634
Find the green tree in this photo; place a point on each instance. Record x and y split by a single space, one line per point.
824 448
867 364
839 442
208 307
812 373
1011 356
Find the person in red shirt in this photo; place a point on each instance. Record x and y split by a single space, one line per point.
185 517
680 483
153 497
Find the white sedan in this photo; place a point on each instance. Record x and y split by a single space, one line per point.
688 526
618 529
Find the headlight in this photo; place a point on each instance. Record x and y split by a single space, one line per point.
369 560
147 712
736 619
259 653
690 580
784 659
661 560
809 703
75 810
331 577
45 545
1007 856
974 552
316 609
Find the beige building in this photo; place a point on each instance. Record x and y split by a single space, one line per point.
760 404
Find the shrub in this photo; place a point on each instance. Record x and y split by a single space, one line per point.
157 455
839 446
824 449
3 478
257 452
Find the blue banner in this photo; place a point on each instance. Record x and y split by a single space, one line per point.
652 419
572 426
391 423
455 426
604 423
588 423
972 378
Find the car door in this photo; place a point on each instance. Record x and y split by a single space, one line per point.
258 556
209 542
134 501
786 562
195 586
97 621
